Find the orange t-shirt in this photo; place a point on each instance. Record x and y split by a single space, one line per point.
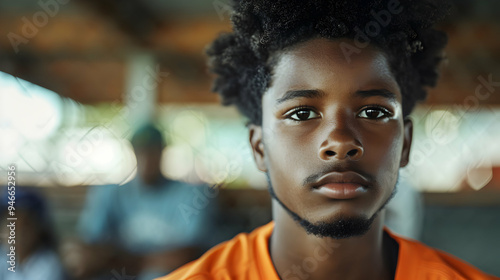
246 256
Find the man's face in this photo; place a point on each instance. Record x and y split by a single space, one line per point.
333 136
148 163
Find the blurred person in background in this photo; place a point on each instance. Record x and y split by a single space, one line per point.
36 250
147 227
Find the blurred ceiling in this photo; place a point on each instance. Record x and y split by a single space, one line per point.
80 48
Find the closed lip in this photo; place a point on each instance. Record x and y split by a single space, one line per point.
341 185
349 177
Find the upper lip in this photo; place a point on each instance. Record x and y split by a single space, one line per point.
349 177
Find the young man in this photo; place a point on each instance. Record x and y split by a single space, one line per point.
327 87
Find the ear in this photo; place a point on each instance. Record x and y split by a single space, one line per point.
408 137
256 141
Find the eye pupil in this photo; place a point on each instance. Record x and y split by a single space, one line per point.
303 115
372 113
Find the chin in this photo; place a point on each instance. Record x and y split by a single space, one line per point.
339 227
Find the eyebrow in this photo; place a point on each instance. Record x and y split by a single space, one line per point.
311 93
292 94
377 92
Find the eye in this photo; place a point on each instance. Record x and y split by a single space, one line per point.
303 114
374 113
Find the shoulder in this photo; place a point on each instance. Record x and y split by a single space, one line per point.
224 259
100 191
419 261
233 259
181 184
198 193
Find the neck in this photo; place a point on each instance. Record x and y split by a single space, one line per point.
301 256
151 181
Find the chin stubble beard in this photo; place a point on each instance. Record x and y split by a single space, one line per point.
340 228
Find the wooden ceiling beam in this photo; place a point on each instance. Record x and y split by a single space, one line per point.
133 17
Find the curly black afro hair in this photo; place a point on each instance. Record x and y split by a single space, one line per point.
243 60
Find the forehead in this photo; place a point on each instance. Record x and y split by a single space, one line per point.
320 63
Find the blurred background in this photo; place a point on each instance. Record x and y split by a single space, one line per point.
78 77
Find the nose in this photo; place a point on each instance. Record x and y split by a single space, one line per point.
341 144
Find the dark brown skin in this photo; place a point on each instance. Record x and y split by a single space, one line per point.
340 130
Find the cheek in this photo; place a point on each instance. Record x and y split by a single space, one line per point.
292 156
291 148
288 159
383 152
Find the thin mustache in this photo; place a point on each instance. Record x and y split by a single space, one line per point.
336 168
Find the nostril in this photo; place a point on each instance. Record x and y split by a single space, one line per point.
330 153
352 153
